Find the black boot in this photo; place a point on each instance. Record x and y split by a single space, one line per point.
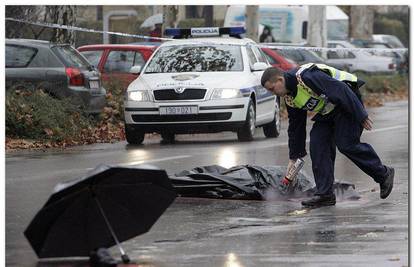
386 186
320 200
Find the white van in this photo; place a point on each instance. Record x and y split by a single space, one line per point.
289 23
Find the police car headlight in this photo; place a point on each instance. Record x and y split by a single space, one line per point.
226 93
138 96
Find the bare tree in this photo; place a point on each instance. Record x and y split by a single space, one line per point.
317 27
19 30
64 15
361 24
252 22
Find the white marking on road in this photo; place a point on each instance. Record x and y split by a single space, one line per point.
142 161
59 172
396 127
388 128
153 160
261 146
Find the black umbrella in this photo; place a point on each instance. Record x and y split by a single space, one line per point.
109 206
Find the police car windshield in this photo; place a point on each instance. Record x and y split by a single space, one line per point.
196 58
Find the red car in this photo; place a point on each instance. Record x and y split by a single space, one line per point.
115 61
278 61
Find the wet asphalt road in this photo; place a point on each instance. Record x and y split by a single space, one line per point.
207 232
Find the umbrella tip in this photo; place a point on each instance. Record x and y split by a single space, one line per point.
101 257
125 258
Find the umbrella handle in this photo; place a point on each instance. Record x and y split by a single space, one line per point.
124 256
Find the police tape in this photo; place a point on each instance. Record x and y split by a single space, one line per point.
74 28
276 46
323 49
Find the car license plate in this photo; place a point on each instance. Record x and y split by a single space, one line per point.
94 84
178 110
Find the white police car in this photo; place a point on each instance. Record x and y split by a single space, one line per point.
201 85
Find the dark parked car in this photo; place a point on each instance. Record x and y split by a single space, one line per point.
58 69
116 61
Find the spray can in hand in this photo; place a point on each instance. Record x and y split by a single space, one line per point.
293 172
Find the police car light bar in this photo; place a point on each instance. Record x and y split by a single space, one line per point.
206 31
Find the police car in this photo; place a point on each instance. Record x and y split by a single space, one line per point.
201 85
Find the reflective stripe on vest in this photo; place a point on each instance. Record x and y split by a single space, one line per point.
307 99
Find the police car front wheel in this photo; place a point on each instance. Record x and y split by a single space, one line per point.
133 136
246 132
272 129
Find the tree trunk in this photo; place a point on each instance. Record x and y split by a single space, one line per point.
64 15
317 27
361 24
252 23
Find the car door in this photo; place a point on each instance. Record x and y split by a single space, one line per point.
118 64
345 60
265 108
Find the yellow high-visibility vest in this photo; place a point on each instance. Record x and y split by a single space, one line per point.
307 99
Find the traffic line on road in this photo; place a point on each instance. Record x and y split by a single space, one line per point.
53 174
153 160
388 128
396 127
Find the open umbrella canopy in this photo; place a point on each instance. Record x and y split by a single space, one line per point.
266 25
151 21
110 205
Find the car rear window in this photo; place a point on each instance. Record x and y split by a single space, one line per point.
70 57
93 56
19 56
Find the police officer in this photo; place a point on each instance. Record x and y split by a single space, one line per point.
339 121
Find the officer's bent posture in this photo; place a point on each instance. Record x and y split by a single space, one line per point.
334 96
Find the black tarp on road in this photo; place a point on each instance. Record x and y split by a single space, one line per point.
248 182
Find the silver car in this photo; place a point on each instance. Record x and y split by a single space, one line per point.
359 60
58 69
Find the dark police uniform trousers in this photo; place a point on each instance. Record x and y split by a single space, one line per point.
343 131
341 128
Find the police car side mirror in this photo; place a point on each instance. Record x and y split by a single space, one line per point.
259 66
135 69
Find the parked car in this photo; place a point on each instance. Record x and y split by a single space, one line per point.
202 85
278 60
359 60
392 40
302 56
118 61
56 68
400 58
